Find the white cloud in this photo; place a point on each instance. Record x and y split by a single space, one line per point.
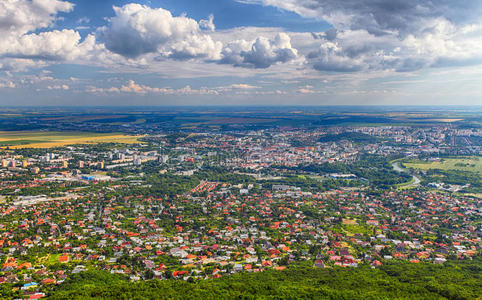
18 17
83 20
306 90
137 38
208 24
58 87
50 45
19 48
260 53
135 88
358 50
243 86
99 90
139 89
140 39
7 84
400 17
330 57
140 31
137 29
18 64
401 35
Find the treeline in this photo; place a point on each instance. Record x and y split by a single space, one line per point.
222 175
172 185
454 280
455 177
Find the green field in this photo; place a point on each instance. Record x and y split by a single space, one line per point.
354 229
469 164
53 259
46 139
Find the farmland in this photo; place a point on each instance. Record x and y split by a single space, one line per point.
43 139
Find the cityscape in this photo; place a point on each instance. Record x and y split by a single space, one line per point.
241 149
201 204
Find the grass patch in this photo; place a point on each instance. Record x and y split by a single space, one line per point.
354 229
467 164
53 259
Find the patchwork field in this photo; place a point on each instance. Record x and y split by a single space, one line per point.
470 164
43 139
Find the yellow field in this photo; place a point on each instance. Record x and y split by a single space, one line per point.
42 139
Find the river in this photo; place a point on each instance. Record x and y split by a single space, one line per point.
416 180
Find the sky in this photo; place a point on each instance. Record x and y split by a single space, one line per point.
240 52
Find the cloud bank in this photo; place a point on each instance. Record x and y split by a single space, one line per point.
368 40
366 35
400 35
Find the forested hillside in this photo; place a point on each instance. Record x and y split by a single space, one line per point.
455 280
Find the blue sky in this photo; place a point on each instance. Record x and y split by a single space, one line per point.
245 52
229 14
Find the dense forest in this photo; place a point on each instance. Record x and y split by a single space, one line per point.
454 280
